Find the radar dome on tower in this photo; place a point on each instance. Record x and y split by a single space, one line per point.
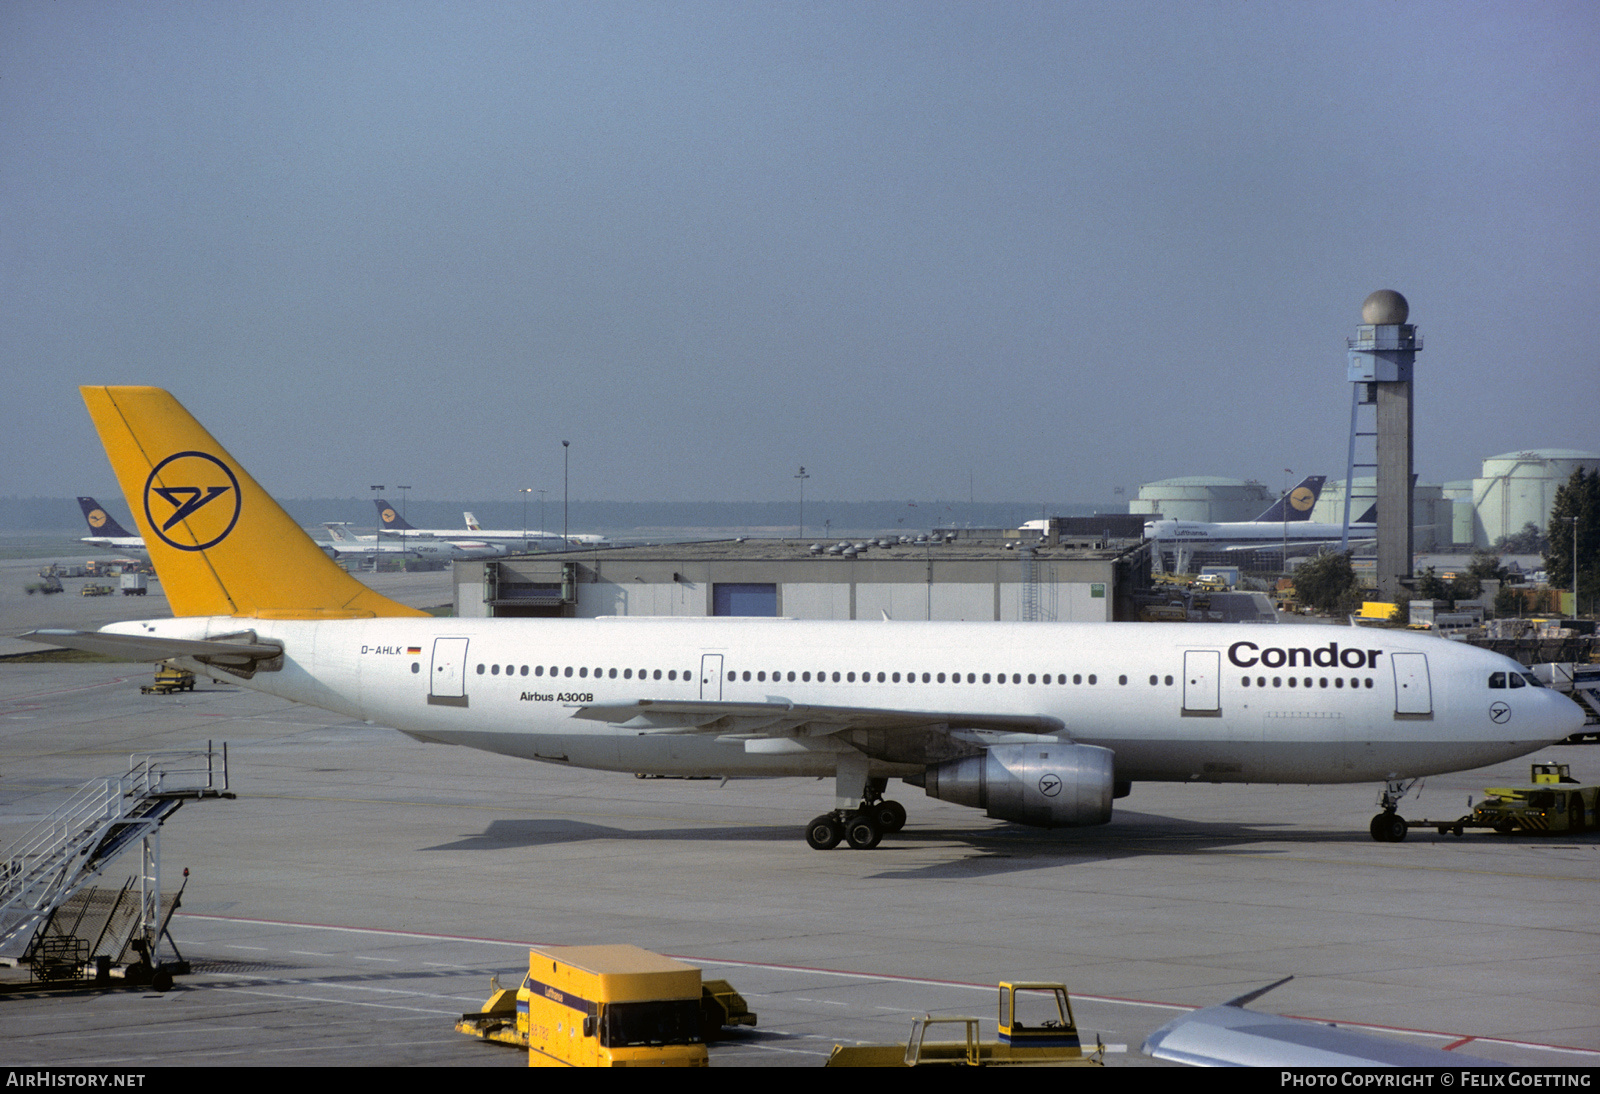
1385 308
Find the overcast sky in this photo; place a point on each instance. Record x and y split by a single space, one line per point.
1039 251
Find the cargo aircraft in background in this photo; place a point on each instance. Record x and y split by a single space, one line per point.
1039 723
391 523
104 529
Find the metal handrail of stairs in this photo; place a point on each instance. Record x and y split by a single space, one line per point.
103 819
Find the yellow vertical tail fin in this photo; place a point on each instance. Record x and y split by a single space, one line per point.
219 543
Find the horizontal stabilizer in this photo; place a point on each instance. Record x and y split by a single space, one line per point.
136 647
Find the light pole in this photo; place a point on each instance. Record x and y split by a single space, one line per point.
802 476
377 494
1285 504
404 497
566 449
1574 522
524 491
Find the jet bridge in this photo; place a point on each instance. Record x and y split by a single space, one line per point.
60 856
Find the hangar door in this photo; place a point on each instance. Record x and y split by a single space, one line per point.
744 598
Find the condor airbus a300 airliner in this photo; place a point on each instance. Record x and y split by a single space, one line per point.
1040 723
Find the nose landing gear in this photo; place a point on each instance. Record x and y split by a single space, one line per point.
1389 826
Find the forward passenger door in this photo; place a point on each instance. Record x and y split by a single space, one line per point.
1413 692
1202 681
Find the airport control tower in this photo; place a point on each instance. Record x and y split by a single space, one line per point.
1381 357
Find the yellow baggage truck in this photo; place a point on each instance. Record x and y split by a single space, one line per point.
610 1006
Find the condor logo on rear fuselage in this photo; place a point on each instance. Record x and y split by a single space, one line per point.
1248 655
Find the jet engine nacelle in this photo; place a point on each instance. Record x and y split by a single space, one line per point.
1048 785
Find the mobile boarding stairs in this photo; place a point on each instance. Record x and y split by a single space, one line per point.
46 902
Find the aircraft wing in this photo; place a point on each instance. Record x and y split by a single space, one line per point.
137 647
1231 1036
900 735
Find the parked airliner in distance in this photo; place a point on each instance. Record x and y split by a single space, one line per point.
1287 521
391 523
345 544
1038 723
573 539
104 529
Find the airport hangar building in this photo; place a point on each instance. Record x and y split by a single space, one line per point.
1077 581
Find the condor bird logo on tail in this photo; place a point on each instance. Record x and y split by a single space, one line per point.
205 479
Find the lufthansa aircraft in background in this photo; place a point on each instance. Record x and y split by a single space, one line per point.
1038 723
391 523
104 529
1287 521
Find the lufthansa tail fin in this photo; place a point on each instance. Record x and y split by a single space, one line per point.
101 523
389 518
1296 504
220 544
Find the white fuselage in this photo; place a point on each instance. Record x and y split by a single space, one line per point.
1174 702
531 539
115 543
1265 533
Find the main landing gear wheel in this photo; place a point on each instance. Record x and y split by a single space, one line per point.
824 833
890 816
1389 827
862 832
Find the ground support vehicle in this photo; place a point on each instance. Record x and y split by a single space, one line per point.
599 1006
1035 1028
134 584
92 589
1555 802
721 1006
169 680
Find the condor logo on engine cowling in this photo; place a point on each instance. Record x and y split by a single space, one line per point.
1248 655
204 500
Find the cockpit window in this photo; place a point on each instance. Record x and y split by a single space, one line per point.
1517 681
1533 681
1497 679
